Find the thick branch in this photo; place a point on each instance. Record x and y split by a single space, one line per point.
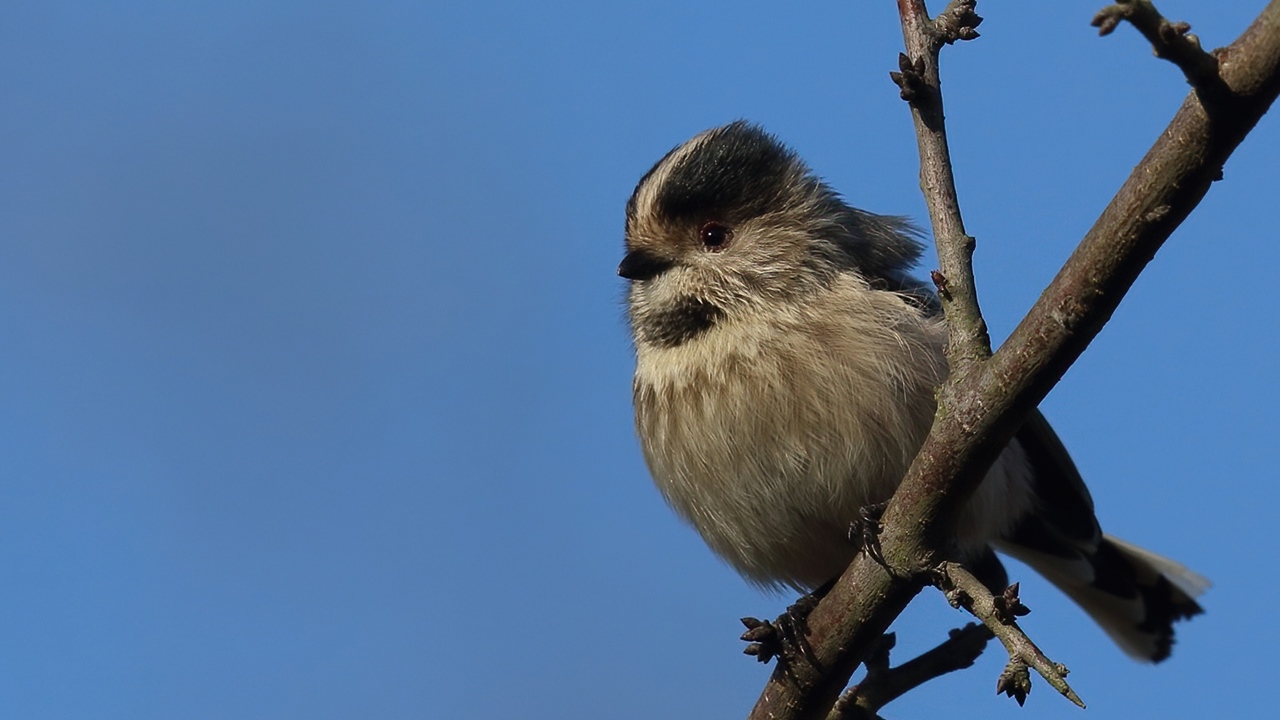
979 414
884 684
998 613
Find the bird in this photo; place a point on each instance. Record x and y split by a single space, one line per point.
787 361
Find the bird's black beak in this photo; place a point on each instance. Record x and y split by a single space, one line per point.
641 264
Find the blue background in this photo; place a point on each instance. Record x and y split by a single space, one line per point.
315 385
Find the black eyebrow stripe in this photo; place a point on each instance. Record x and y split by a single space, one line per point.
739 168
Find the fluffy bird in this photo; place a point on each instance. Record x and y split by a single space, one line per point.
786 363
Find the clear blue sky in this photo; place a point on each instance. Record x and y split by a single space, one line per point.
315 388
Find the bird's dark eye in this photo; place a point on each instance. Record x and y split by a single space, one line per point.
715 236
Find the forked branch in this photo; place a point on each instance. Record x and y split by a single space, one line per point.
986 401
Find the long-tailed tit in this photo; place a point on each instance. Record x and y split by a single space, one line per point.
786 363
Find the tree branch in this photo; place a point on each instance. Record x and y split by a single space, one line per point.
1169 40
918 78
998 615
884 684
980 409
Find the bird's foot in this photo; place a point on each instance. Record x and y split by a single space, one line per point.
864 533
786 638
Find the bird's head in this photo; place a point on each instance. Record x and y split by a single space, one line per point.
732 223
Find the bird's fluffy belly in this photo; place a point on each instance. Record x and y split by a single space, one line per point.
771 452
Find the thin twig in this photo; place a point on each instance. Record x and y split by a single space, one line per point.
959 21
883 684
1172 41
998 613
919 81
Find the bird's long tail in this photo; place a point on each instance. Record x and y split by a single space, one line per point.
1133 594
